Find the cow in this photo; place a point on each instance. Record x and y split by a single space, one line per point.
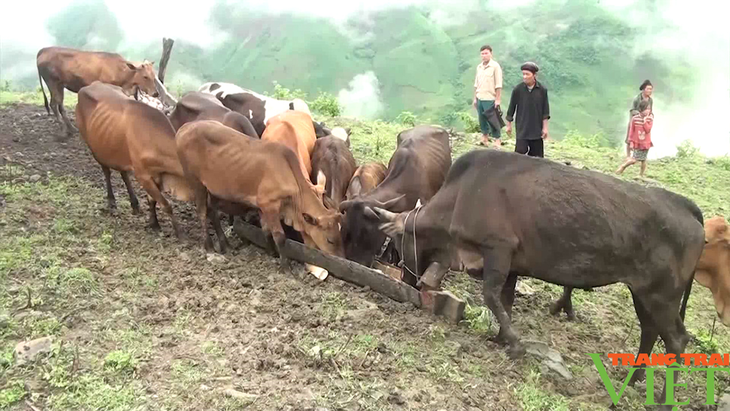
257 107
195 105
416 171
294 129
332 158
236 170
365 179
713 269
127 135
507 215
66 68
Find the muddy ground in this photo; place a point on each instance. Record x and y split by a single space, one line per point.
193 328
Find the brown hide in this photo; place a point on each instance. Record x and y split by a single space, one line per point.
365 179
126 135
332 157
260 173
713 268
65 68
294 130
196 105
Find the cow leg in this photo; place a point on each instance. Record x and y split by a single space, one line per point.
271 223
213 212
154 191
201 206
111 201
58 110
154 224
495 274
564 303
649 335
508 299
70 129
664 311
132 197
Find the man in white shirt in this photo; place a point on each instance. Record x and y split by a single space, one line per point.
488 93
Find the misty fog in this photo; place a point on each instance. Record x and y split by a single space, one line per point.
694 38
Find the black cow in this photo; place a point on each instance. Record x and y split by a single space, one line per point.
203 106
416 171
507 215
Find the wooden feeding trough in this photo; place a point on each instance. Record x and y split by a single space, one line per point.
387 283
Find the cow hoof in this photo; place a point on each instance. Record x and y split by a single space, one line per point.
154 226
555 308
517 351
571 315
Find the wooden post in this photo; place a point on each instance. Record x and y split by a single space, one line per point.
166 50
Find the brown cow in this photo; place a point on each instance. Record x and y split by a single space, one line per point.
127 135
332 158
203 106
72 69
365 179
236 170
713 268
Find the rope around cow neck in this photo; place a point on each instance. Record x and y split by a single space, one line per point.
403 242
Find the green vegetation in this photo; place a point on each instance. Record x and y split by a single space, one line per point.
424 65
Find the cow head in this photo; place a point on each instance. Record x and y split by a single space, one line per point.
325 231
142 77
320 130
360 234
713 268
421 258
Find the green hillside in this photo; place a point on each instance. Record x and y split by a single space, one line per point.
423 66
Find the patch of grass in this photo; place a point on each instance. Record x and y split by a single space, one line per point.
120 361
90 391
212 348
187 372
333 305
479 318
36 326
12 393
533 396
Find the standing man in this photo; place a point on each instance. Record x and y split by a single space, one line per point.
530 99
488 93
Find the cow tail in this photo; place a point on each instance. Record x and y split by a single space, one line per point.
45 99
685 299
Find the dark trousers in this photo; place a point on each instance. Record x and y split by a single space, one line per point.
532 148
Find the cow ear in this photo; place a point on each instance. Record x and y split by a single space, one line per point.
390 203
370 214
321 179
355 186
310 220
392 226
131 66
348 130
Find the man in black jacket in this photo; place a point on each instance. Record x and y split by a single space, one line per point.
530 99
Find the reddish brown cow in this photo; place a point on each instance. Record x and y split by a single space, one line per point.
203 106
235 170
65 68
127 135
365 179
332 158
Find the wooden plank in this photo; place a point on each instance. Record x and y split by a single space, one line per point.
253 234
353 272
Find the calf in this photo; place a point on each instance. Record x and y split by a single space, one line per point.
365 179
332 158
507 214
127 135
201 106
236 170
415 172
65 68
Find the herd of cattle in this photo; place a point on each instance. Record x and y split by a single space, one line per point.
497 214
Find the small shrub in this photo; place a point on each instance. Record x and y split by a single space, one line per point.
687 150
326 104
14 392
471 124
406 118
120 361
283 93
5 86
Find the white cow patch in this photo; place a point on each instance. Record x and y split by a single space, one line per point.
340 133
272 106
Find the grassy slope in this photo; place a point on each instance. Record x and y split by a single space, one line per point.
71 259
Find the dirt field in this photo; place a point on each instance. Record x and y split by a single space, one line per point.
142 321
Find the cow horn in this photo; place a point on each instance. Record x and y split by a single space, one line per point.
390 203
345 205
369 213
383 215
